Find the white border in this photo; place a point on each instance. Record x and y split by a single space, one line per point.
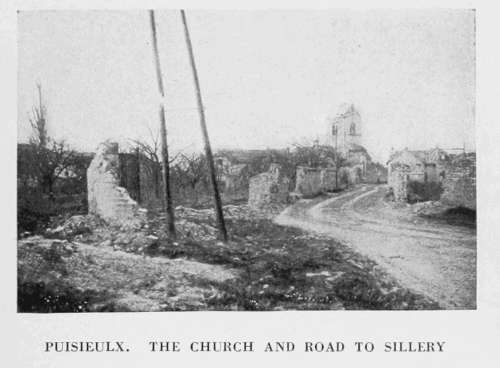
471 336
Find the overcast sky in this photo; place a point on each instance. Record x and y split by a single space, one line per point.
268 78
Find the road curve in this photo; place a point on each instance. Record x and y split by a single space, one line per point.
436 260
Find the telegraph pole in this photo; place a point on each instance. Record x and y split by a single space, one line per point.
336 158
167 198
208 149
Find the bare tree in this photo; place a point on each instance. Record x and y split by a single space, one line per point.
151 149
51 158
193 171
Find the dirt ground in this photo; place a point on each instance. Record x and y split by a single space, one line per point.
426 256
89 266
83 277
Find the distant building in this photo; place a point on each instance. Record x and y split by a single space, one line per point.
344 129
344 134
421 166
455 174
236 166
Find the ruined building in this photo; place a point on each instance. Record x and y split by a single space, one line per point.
268 189
345 135
344 130
454 173
459 182
106 198
311 181
407 166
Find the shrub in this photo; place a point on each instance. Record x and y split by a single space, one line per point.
427 191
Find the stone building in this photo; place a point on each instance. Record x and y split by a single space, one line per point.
233 177
420 166
454 173
344 129
344 134
236 166
459 182
268 189
311 181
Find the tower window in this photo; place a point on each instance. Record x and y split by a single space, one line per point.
352 129
334 130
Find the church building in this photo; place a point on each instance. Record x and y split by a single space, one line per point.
344 130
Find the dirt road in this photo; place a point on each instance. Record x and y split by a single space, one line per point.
434 259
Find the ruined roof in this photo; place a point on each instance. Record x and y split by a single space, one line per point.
426 156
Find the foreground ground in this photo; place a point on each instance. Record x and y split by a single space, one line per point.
428 256
89 266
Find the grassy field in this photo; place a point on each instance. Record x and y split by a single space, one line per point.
263 267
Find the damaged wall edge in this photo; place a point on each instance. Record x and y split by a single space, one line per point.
106 198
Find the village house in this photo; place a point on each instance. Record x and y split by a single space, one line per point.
454 173
418 166
235 167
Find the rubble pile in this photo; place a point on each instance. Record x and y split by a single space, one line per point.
61 247
188 229
73 226
230 212
428 208
196 224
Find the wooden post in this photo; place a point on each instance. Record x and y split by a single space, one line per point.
138 173
208 150
167 198
336 158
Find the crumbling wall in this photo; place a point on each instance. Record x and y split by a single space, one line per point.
308 181
328 179
459 182
350 176
105 197
398 181
311 181
268 188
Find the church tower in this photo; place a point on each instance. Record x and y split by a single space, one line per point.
345 129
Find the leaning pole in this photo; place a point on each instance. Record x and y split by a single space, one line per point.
208 150
167 198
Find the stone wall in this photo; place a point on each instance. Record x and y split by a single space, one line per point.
328 179
308 181
268 188
400 185
311 181
459 182
350 176
105 196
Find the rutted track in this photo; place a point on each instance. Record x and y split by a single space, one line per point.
436 260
